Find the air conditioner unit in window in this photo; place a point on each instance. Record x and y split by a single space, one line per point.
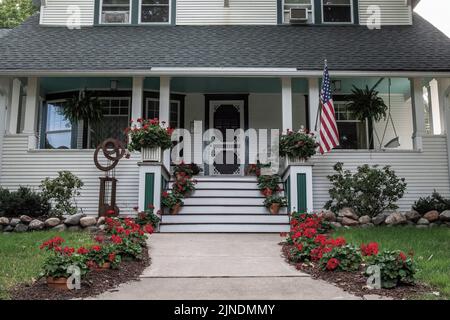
115 17
298 15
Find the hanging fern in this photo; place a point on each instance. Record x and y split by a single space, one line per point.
366 104
83 107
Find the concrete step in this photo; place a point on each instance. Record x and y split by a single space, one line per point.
223 209
227 218
235 228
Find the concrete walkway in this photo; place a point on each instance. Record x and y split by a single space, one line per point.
222 266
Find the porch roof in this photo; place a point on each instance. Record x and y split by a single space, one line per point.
417 48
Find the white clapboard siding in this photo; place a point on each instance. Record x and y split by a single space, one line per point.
20 167
393 12
59 12
204 12
423 171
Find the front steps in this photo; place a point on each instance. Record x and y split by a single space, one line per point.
225 204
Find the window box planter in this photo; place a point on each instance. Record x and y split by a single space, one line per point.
151 154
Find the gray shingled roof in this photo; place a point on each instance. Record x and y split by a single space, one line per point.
420 47
3 32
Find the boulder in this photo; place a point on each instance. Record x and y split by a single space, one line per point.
88 221
423 222
328 216
395 218
52 222
101 221
20 227
413 216
380 218
74 220
61 227
73 228
14 222
434 225
91 229
8 228
421 226
431 216
445 215
349 222
102 227
367 225
4 221
36 225
25 219
365 220
348 213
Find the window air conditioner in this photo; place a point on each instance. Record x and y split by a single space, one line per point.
298 15
115 17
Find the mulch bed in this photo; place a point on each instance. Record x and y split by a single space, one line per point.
95 282
355 282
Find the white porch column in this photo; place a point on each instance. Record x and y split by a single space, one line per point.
443 86
32 103
137 98
418 111
286 103
435 107
313 102
164 111
14 109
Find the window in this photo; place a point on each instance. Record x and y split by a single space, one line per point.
116 119
289 4
337 11
115 11
155 11
352 132
152 111
58 130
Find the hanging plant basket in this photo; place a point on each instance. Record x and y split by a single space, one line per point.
151 154
83 106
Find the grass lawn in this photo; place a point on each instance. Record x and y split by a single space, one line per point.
431 249
21 259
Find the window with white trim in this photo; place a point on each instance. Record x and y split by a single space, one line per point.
353 133
337 11
152 111
155 11
57 129
115 11
294 4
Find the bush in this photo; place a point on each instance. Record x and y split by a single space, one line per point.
435 202
369 191
23 201
62 191
341 258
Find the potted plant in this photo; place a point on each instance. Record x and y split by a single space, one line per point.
171 200
185 186
269 184
275 203
150 138
186 170
103 257
298 146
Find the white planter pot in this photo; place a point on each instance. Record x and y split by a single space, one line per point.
293 160
151 154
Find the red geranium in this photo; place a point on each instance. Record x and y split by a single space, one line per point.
96 248
402 256
116 239
82 250
332 264
52 243
369 249
148 228
112 257
99 238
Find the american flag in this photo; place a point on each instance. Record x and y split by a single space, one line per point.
329 134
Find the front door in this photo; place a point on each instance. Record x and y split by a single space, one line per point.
227 115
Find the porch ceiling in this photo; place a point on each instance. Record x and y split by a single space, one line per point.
420 47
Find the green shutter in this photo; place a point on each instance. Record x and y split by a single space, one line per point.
302 205
149 189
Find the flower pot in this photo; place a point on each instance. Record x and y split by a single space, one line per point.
105 266
57 283
151 154
175 209
274 208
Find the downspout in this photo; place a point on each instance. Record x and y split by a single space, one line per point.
447 125
4 95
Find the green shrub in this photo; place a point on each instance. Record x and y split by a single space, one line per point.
62 191
23 201
341 258
435 202
269 182
369 191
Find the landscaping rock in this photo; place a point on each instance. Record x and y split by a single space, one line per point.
349 222
395 219
380 218
103 227
26 219
36 225
431 216
91 229
445 215
328 216
14 222
52 222
4 221
434 225
413 216
101 221
74 220
421 226
73 228
365 220
20 227
88 221
367 225
348 213
8 229
61 227
423 222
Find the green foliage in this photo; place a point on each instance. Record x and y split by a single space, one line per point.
14 12
366 104
62 190
148 217
298 145
130 248
149 135
395 267
435 202
369 191
84 107
269 182
23 201
282 201
55 265
189 170
348 256
170 199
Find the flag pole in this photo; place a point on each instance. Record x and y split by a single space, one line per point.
319 110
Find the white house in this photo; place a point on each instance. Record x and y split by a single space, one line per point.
236 63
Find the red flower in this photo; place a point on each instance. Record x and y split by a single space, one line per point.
369 249
99 238
112 257
116 239
110 212
82 250
310 232
332 264
299 246
52 243
402 256
165 194
68 251
91 264
148 228
96 248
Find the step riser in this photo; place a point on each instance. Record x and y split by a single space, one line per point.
214 219
223 201
232 228
227 210
227 185
226 193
